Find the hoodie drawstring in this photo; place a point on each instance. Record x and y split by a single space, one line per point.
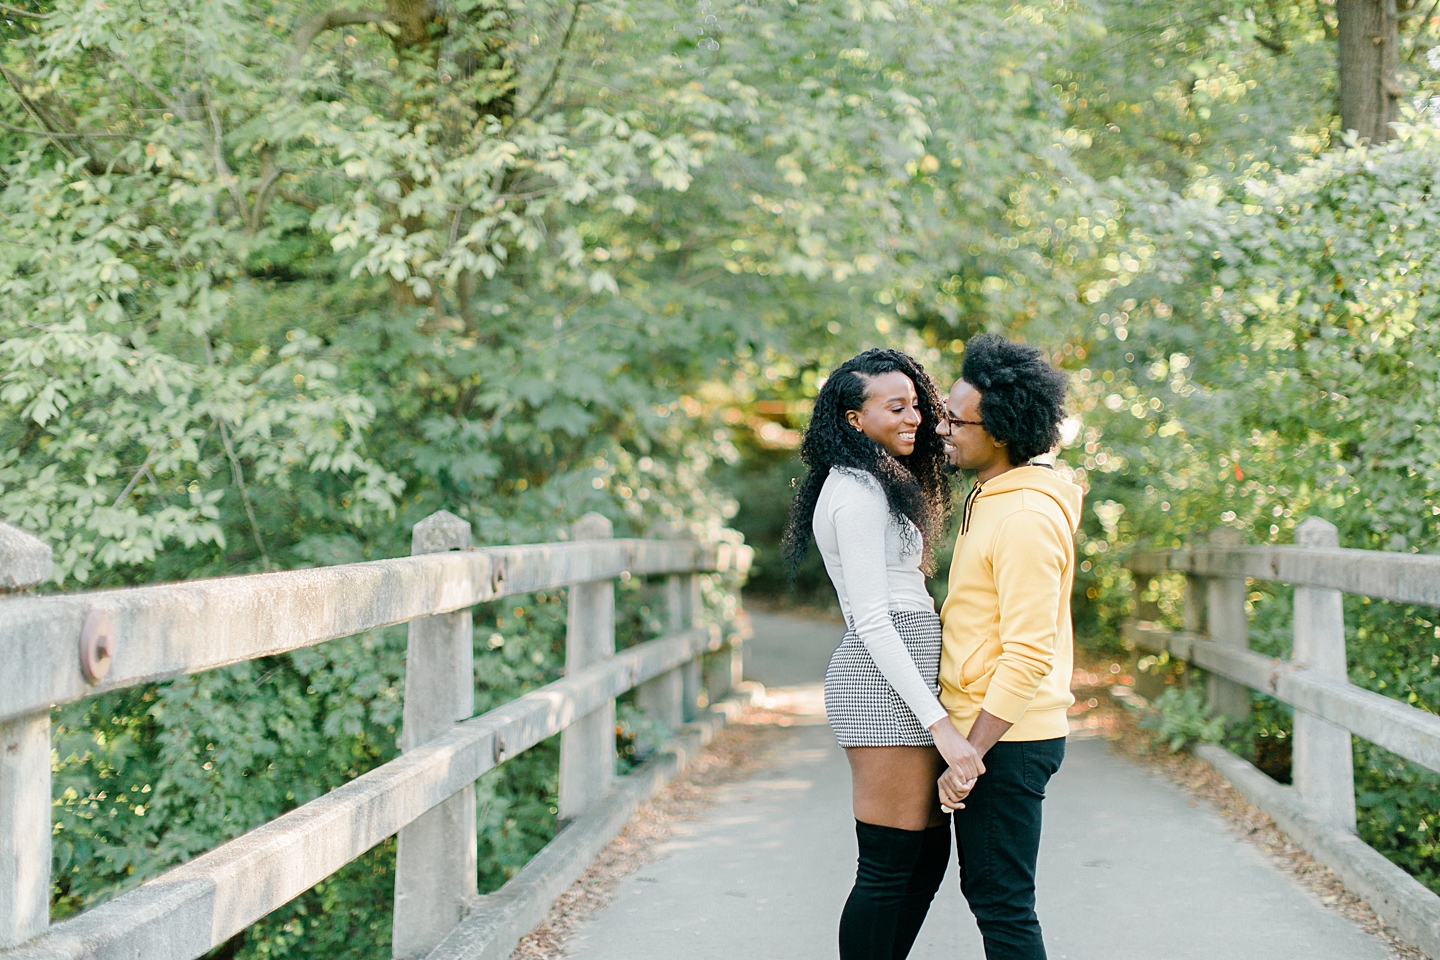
974 495
965 511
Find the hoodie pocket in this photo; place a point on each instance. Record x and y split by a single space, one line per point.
979 665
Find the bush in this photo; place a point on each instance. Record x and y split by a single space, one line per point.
1182 717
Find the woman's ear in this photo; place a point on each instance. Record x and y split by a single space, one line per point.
853 418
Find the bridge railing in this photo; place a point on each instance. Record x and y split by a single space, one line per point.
1314 681
62 648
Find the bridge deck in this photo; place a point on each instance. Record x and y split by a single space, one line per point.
1130 868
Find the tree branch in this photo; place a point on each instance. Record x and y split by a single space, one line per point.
222 169
1274 46
175 106
298 200
269 176
559 62
237 473
34 112
5 8
144 469
1416 47
412 19
66 136
306 32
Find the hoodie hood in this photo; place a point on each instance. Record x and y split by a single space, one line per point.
1042 479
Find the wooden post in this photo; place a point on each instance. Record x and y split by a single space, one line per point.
1228 624
1192 614
682 599
728 669
1323 761
587 746
723 670
25 825
435 870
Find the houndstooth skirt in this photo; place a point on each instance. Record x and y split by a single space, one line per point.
864 710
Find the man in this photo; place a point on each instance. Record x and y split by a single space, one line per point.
1007 656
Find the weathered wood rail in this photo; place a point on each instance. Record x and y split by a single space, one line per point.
1319 812
58 649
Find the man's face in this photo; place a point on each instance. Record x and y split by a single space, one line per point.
968 446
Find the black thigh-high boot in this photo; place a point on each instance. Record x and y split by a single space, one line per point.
882 876
925 879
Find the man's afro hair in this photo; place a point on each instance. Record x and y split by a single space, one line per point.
1022 397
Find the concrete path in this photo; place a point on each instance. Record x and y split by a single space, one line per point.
1131 868
787 651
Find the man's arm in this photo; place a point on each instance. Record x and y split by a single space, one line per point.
986 731
1028 559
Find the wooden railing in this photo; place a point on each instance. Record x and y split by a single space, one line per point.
1318 812
62 648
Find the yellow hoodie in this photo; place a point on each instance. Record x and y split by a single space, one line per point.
1009 649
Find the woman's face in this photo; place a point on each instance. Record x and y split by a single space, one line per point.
891 414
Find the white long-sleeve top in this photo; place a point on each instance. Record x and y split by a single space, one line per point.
875 572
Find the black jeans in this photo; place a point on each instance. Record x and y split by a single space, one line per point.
997 837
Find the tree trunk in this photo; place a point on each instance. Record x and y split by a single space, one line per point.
1369 64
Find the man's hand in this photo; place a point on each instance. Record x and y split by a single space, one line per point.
953 789
958 752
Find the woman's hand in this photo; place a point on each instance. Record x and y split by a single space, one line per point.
958 752
953 789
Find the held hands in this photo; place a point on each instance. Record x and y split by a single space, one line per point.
958 752
965 765
963 755
953 790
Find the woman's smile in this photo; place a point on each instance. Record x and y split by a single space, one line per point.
891 414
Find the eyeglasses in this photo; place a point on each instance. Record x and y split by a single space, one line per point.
954 422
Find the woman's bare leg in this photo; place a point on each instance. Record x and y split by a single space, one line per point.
901 860
895 786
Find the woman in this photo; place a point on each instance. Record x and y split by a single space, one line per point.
874 497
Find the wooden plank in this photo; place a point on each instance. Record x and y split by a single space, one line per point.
1398 727
169 630
189 910
1149 563
1402 577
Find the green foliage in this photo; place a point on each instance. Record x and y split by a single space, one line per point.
152 776
1182 717
1276 359
1396 814
280 280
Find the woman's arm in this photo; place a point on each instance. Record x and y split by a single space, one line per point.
861 515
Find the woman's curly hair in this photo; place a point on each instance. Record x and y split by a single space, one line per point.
916 486
1022 397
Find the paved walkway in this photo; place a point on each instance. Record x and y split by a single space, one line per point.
1130 868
